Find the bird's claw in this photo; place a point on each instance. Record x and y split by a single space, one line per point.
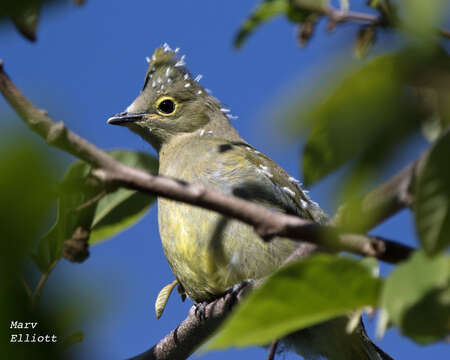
233 291
230 295
200 310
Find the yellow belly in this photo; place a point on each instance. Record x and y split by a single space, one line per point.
209 253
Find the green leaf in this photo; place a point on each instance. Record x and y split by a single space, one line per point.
437 108
306 12
302 11
50 246
262 13
25 14
299 295
123 208
423 18
375 3
163 298
124 215
108 216
363 119
371 264
432 202
388 11
27 21
416 297
12 8
310 4
27 195
362 122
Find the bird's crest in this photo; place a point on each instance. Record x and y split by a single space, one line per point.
166 66
167 70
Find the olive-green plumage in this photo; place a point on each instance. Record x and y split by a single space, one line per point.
208 252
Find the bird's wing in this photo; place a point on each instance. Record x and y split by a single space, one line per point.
243 171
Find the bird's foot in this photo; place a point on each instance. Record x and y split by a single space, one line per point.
200 310
230 296
233 292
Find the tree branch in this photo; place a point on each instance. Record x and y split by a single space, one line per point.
266 223
181 342
272 350
337 16
36 294
381 203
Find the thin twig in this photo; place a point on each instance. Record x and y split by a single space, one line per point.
383 202
92 200
272 350
338 16
37 291
27 287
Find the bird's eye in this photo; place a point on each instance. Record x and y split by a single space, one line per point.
166 106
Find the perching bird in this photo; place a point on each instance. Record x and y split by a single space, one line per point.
208 252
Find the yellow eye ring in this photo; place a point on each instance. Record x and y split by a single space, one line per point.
166 106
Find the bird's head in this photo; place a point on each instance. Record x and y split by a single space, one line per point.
172 103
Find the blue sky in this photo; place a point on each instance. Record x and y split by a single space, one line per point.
89 63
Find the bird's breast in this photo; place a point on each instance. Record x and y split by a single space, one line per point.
197 249
209 252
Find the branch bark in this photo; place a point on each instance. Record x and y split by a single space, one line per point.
193 330
383 202
181 342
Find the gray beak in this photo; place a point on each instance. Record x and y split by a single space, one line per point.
123 118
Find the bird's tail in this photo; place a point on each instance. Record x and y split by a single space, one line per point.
330 340
374 352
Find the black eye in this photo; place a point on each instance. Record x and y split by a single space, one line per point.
166 106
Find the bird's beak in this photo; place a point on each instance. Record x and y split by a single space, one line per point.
123 118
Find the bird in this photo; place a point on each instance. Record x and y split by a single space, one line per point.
207 252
